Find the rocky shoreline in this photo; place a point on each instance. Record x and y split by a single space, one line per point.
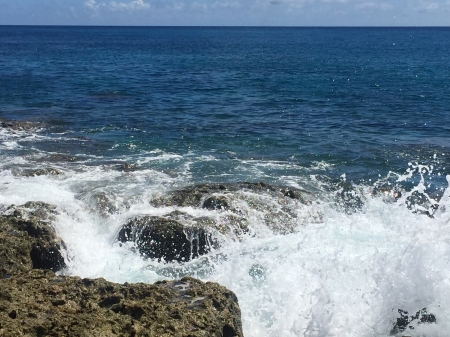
34 301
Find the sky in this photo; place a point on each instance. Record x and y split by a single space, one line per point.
226 12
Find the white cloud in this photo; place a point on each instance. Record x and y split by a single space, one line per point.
93 4
133 5
374 5
428 6
227 4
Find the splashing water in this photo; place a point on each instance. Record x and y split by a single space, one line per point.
340 274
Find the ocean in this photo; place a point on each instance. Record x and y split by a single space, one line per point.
357 120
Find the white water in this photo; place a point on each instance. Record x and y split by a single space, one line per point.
344 275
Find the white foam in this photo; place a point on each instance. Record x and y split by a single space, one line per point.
344 275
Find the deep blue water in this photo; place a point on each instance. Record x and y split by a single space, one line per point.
365 100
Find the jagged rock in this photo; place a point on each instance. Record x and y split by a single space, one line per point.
405 321
164 239
18 125
55 158
216 202
28 242
102 204
39 303
346 195
196 195
35 210
41 172
126 167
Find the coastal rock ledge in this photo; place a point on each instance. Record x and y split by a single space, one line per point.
34 301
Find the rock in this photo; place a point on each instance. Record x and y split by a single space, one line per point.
36 210
126 167
55 158
196 195
164 239
276 207
405 321
102 204
41 172
216 202
33 241
28 242
39 303
347 196
18 125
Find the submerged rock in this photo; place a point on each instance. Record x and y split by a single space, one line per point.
198 195
27 241
18 125
216 202
164 239
407 322
39 303
55 158
41 172
102 204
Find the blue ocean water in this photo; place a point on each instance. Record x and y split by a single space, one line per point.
367 100
335 112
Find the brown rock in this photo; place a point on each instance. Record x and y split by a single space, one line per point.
39 303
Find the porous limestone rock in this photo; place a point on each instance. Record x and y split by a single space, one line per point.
39 303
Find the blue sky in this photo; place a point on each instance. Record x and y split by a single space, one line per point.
227 12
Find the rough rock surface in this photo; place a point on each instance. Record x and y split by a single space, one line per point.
41 172
34 301
18 125
197 195
26 241
164 239
406 321
179 236
39 303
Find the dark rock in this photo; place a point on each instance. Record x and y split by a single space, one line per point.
55 158
18 125
102 203
346 195
41 172
27 241
126 167
195 195
216 202
37 210
164 239
278 205
33 305
405 321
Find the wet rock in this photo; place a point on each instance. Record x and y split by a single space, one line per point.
216 202
346 195
126 167
28 242
102 204
280 208
196 195
33 210
41 172
55 158
39 303
18 125
164 239
406 321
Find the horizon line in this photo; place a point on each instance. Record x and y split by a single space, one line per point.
218 26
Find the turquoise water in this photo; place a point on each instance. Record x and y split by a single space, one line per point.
132 113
